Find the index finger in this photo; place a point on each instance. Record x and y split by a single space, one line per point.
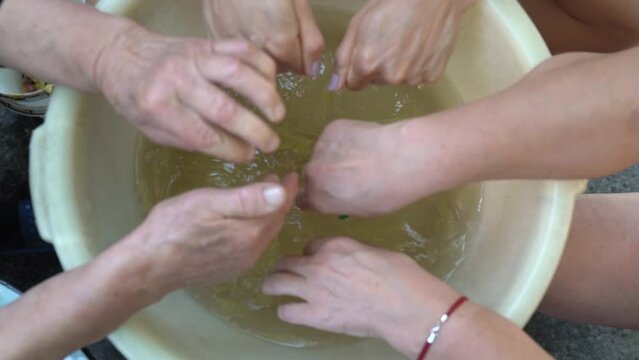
311 37
344 54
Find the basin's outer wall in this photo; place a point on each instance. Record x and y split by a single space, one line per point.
83 187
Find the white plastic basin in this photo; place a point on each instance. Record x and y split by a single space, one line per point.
83 187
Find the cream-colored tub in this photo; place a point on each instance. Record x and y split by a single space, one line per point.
83 187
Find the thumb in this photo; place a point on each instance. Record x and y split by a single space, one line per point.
251 201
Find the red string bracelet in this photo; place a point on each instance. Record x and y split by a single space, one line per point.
434 332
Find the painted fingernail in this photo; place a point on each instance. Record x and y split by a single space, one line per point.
335 80
274 195
316 69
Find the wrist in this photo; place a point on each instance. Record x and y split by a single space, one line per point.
109 58
127 267
442 150
407 329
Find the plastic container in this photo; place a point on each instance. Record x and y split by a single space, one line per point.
83 187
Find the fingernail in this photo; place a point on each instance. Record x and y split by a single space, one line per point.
274 195
335 80
316 69
278 112
272 145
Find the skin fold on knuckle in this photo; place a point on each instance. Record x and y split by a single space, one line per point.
225 110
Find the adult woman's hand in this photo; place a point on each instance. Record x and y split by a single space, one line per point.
398 42
171 89
286 29
210 236
366 169
358 290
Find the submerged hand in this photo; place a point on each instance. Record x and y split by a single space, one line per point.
286 29
171 89
357 168
358 290
398 42
210 236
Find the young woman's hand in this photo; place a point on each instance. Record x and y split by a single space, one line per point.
398 42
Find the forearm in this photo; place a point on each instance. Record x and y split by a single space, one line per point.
56 40
596 281
472 332
575 117
75 308
477 333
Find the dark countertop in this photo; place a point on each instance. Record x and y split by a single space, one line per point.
33 263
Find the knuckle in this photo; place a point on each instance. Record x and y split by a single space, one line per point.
366 62
270 67
247 47
247 204
315 44
225 110
284 41
148 102
285 314
233 68
339 243
203 139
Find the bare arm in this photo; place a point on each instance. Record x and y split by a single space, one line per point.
586 25
218 233
348 286
575 116
68 37
597 282
75 308
547 126
171 89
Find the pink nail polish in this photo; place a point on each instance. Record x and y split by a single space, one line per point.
316 69
335 80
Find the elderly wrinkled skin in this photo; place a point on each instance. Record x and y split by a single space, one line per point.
177 98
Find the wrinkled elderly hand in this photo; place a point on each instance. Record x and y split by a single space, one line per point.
354 289
286 29
398 42
357 168
171 89
210 236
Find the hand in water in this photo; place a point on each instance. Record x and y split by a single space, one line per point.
172 90
210 236
398 42
358 290
286 29
357 168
